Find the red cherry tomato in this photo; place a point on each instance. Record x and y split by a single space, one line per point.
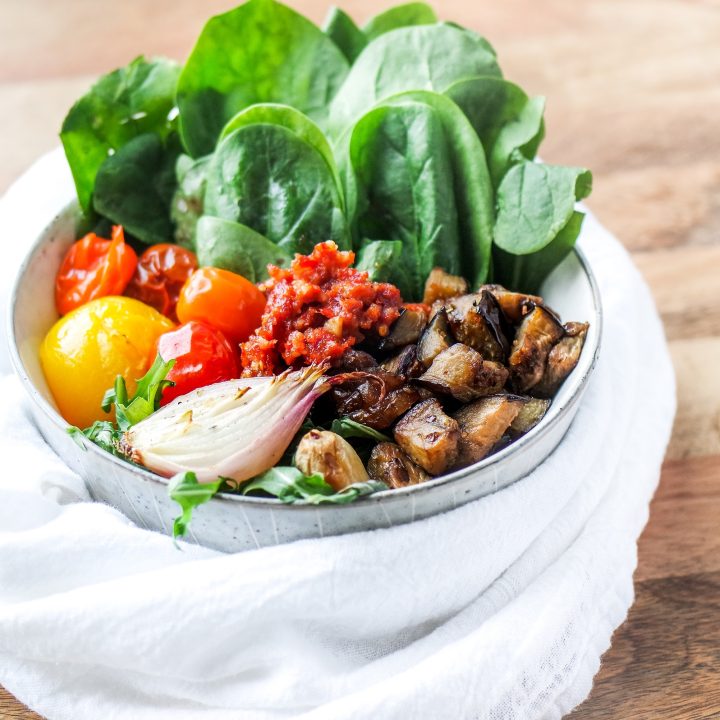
223 299
92 268
203 356
161 272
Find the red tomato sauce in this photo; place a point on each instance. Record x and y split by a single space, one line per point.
316 310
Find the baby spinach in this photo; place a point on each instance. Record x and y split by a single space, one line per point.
187 204
262 51
267 178
235 247
382 260
405 15
343 31
428 57
135 185
123 104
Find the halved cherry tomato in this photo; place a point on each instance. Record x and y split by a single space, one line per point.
92 268
161 272
202 354
223 299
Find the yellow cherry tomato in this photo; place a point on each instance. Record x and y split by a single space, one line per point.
85 351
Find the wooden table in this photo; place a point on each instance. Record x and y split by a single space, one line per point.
633 90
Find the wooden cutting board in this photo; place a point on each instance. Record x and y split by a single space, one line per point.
633 91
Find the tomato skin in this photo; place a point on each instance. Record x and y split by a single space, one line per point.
161 272
92 268
202 354
223 299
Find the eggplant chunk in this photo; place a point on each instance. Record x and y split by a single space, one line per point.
562 359
514 305
353 360
429 437
531 413
482 425
383 413
537 333
405 363
391 465
461 372
406 329
475 320
442 286
435 338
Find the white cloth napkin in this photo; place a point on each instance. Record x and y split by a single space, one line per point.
497 610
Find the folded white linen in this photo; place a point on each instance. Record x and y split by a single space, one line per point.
497 610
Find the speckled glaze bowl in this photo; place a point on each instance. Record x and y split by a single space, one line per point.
232 523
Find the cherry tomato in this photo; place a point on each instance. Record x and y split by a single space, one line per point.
202 354
223 299
92 268
161 272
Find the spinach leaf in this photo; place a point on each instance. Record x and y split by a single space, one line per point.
422 57
290 485
343 31
187 202
123 104
262 51
347 428
145 401
509 124
534 202
267 178
235 247
135 185
404 15
188 493
527 272
381 259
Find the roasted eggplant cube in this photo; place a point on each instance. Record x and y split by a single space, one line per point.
535 337
531 413
385 411
405 363
475 321
443 286
353 360
429 437
461 372
482 425
514 305
562 359
406 329
435 338
392 466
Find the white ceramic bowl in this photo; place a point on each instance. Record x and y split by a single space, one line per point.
233 523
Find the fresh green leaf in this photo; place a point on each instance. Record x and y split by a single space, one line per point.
123 104
235 247
534 202
187 203
382 260
260 52
102 432
267 178
347 428
428 57
404 15
343 31
135 185
188 493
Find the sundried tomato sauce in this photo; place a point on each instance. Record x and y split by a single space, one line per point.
316 310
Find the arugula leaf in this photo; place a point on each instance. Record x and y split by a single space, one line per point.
262 51
238 248
102 432
123 104
347 428
186 206
404 15
134 187
188 493
145 401
343 31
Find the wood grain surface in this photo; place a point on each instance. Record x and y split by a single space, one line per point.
633 90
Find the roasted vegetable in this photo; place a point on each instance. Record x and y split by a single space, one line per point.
562 359
405 363
325 453
406 329
394 467
353 360
475 320
537 333
441 285
461 372
435 338
482 424
515 305
429 436
531 413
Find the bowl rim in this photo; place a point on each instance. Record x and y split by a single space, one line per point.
522 444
